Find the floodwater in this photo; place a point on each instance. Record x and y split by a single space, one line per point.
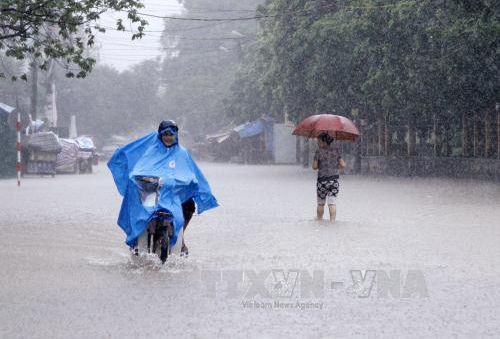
406 258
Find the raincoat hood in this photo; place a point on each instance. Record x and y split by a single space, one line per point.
182 179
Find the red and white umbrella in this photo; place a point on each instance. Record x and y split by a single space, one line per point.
337 126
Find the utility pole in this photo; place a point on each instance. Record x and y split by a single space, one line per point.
34 89
50 100
18 142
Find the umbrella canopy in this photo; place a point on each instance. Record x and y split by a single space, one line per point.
337 126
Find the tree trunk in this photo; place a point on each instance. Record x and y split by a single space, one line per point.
476 133
435 139
50 110
412 137
498 134
357 159
466 135
358 148
368 142
487 134
34 90
446 137
380 136
387 137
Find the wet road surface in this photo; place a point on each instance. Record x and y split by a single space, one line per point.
406 258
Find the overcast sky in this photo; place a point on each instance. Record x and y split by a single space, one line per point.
118 50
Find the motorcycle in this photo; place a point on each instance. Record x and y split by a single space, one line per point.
160 230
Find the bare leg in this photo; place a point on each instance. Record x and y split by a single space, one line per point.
333 212
188 208
319 212
184 248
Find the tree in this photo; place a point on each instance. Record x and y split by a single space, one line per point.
109 102
202 61
59 29
421 68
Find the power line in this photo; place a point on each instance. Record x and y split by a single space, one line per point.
162 5
180 37
188 28
204 19
195 28
215 10
266 16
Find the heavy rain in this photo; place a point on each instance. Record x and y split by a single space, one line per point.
255 169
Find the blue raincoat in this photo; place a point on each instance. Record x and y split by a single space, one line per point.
182 179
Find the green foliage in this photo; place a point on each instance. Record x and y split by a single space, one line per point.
9 68
58 29
108 102
202 61
402 60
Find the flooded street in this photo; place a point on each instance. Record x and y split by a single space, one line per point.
406 258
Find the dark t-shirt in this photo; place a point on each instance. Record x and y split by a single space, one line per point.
328 161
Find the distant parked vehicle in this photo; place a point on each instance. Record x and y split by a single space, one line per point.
67 159
87 155
40 153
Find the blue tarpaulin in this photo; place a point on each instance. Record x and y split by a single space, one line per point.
250 129
181 177
256 127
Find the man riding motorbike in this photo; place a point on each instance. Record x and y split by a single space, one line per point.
158 155
168 131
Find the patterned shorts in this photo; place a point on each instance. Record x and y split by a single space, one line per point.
327 190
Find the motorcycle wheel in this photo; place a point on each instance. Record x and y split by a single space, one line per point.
164 243
164 249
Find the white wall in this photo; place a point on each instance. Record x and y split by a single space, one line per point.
284 144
